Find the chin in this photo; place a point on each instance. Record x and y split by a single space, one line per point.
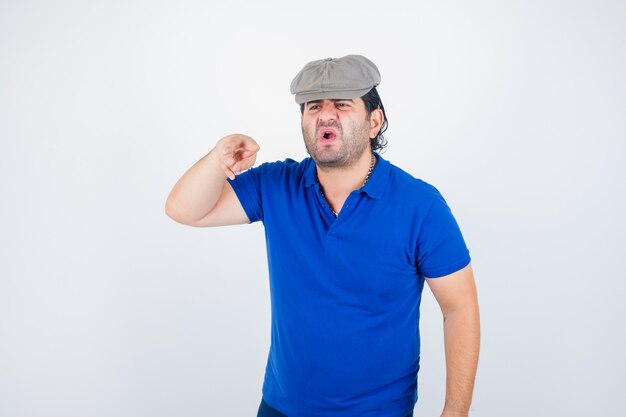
329 161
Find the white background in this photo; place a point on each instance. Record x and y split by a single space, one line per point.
515 110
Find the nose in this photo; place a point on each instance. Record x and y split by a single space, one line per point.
328 111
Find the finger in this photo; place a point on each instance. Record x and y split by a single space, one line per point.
253 147
241 166
244 146
233 158
244 163
229 173
229 159
247 154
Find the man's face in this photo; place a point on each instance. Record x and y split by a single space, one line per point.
336 132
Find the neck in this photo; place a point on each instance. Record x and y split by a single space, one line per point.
343 180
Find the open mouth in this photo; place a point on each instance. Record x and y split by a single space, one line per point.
328 134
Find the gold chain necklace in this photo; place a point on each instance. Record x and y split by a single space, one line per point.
367 177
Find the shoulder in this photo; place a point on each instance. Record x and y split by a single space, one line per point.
287 164
288 172
411 188
286 167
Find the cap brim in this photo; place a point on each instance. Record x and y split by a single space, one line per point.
321 95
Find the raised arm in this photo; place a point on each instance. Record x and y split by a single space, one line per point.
202 197
456 295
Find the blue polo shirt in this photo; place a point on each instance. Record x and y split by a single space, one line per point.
345 291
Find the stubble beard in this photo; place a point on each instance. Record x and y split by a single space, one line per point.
352 143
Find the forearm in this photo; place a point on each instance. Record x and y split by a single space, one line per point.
197 191
462 342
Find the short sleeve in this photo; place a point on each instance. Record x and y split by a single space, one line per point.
441 249
247 186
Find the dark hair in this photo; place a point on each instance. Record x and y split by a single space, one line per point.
372 102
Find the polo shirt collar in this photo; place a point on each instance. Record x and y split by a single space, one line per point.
376 185
310 176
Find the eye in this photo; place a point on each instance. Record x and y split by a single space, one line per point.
314 107
342 104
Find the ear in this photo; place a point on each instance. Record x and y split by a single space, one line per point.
376 121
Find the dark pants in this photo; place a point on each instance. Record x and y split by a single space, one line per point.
266 411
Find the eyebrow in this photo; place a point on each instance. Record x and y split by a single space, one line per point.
331 99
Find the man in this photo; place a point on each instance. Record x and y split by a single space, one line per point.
351 239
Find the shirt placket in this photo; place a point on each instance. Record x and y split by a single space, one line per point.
346 210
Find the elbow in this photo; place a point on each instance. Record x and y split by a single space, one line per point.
174 211
171 212
180 215
177 216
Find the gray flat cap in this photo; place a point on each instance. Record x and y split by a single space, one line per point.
350 76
